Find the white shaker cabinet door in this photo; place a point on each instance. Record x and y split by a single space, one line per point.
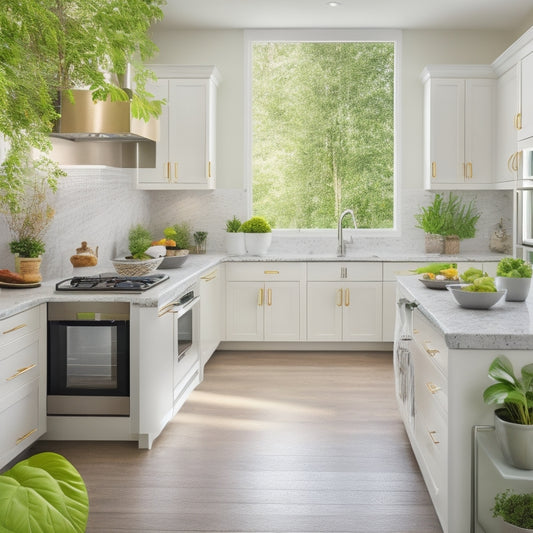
362 311
244 311
282 311
324 311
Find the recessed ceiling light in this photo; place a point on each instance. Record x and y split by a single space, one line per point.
334 4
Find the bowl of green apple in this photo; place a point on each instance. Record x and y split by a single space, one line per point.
481 293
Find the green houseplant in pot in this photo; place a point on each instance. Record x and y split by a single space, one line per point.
257 235
513 421
516 510
431 219
459 222
514 274
234 238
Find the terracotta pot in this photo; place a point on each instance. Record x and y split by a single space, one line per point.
451 245
434 243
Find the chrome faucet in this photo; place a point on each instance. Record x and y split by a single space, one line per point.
341 245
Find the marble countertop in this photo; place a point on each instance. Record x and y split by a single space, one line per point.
505 326
14 301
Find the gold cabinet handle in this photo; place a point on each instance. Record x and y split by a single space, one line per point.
339 297
271 271
518 121
21 371
432 352
25 436
416 332
432 387
260 298
514 164
20 326
433 169
433 436
209 169
210 277
269 296
510 163
167 172
464 171
347 297
175 171
469 171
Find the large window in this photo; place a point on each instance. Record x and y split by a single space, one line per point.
323 131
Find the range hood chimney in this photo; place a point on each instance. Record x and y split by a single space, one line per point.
85 120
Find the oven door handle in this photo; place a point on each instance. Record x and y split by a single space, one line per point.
179 309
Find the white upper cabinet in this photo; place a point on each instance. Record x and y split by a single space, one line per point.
184 156
525 117
507 116
459 128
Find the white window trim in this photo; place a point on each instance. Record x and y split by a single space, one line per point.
323 35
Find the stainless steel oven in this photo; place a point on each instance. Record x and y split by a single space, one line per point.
88 358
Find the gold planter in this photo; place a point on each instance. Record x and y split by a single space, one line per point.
29 268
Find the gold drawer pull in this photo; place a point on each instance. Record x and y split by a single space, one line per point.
416 332
269 296
339 298
433 169
432 352
432 387
26 435
271 271
347 297
260 298
20 326
210 277
433 436
21 371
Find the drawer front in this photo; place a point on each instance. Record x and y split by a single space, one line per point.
22 364
19 420
18 325
265 271
405 268
344 271
431 342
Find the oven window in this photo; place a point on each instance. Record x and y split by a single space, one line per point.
184 333
91 358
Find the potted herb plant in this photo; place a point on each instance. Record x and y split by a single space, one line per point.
200 240
513 421
138 263
257 235
431 219
234 238
516 510
459 222
514 274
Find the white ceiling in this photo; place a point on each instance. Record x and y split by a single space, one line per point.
401 14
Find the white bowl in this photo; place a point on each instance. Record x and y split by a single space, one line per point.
173 261
475 300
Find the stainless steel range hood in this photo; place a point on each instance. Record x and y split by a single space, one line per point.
85 120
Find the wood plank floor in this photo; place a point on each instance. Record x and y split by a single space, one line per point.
269 442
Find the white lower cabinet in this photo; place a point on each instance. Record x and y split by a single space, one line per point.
211 313
266 303
22 381
344 301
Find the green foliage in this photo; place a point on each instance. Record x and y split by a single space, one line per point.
183 235
434 268
169 232
323 133
199 236
139 241
44 493
449 217
481 284
256 225
53 45
515 394
27 247
515 509
511 267
431 218
233 225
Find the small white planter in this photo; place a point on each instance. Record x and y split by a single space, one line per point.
235 243
517 288
516 442
257 243
509 528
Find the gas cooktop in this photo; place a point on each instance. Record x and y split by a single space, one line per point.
111 282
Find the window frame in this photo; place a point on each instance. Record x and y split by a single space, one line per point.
322 35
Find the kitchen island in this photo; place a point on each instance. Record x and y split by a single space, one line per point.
441 372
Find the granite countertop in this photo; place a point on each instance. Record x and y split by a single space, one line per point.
14 301
505 326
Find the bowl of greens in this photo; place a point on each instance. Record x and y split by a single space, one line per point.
480 294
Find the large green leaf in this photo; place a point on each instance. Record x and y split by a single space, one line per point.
527 376
43 494
497 393
501 370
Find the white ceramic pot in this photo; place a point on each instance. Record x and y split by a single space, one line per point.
257 243
235 243
517 288
516 442
509 528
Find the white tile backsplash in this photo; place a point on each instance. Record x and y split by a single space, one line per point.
100 205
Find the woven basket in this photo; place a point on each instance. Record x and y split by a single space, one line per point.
136 267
